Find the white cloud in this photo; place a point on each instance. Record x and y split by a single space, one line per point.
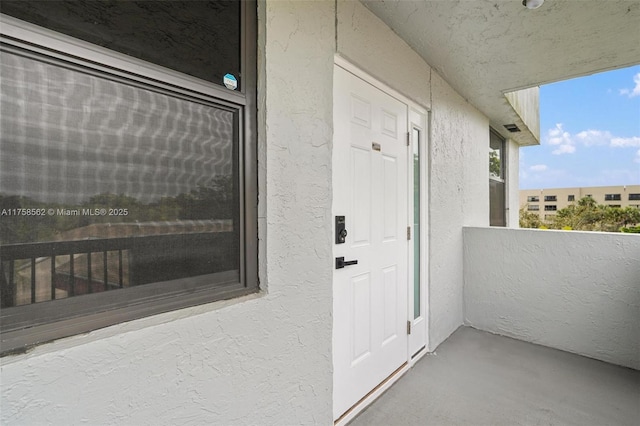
564 149
637 159
566 143
538 168
558 136
594 137
562 139
635 91
625 142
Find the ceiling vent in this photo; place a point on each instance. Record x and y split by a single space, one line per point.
512 128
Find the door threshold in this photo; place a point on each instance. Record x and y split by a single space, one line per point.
366 400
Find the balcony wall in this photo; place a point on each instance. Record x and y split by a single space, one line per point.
575 291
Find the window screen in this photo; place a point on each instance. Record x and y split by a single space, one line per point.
121 195
199 38
85 158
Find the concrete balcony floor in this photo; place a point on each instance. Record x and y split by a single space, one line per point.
478 378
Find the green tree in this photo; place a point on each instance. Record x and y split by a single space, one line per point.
528 219
621 217
494 164
587 215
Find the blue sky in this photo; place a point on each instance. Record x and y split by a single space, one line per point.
589 133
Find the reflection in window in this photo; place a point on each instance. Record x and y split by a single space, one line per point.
497 197
142 182
495 157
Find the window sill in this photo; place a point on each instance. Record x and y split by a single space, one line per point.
153 320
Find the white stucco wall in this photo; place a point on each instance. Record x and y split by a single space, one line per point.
267 359
575 291
458 153
264 360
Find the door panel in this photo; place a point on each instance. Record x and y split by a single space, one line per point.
390 279
361 195
361 336
389 200
370 187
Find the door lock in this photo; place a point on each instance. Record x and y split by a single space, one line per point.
340 262
341 232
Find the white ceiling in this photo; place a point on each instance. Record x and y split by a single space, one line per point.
484 48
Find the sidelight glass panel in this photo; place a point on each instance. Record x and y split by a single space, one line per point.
416 223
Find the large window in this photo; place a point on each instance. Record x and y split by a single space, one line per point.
127 161
612 197
497 197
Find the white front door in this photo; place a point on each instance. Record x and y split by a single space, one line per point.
370 187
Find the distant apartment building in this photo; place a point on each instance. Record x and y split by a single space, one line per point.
545 202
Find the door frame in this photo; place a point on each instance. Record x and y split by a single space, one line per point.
417 115
418 338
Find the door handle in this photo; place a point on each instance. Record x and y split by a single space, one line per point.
340 262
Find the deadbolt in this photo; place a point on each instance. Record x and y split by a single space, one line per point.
341 232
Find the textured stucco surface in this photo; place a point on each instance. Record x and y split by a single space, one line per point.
458 154
267 359
575 291
511 47
459 196
264 360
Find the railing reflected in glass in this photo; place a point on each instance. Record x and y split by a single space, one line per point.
106 185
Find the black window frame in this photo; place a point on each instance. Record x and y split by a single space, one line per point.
533 199
613 197
550 208
533 207
634 197
24 326
550 198
571 198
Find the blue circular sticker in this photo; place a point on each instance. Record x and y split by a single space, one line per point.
230 82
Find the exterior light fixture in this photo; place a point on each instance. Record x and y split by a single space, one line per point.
532 4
